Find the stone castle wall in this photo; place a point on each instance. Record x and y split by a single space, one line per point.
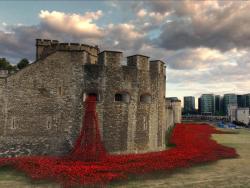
2 105
176 106
41 106
173 112
130 125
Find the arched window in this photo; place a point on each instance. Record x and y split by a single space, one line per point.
118 97
122 97
145 98
91 94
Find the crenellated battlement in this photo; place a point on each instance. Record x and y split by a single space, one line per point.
141 62
46 42
106 57
137 61
158 66
110 58
44 47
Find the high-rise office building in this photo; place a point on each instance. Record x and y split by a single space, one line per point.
207 104
241 100
229 99
247 100
218 105
189 105
199 105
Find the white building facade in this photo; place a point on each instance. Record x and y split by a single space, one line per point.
242 115
238 114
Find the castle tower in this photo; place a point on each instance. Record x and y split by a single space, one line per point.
130 100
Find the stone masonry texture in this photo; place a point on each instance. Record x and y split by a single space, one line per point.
42 105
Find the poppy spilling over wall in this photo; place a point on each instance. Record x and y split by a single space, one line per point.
88 163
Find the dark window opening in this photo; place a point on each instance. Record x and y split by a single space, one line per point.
118 97
122 97
48 125
146 98
13 124
93 95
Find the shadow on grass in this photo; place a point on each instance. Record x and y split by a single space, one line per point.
9 174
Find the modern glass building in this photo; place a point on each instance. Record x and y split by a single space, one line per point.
241 100
247 100
189 105
218 105
199 105
207 104
229 99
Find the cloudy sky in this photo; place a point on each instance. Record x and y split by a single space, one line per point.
205 44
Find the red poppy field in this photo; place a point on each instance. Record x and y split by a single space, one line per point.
89 164
193 146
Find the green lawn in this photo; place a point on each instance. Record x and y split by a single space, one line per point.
223 173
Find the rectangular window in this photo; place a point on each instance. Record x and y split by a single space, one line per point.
118 97
60 91
13 123
145 123
49 123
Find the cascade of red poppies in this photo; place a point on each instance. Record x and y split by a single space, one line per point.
193 145
88 146
89 164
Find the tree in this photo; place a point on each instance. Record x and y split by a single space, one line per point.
23 63
4 64
12 68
